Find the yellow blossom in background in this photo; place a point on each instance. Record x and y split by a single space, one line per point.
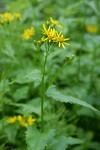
31 120
28 33
19 118
92 28
26 121
8 17
59 38
55 23
23 123
23 120
12 120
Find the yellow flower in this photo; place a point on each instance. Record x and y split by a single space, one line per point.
43 39
31 120
23 123
18 16
50 33
61 40
11 120
28 33
8 17
55 23
44 30
92 28
22 120
19 118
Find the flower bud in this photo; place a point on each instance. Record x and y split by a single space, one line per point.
69 58
72 57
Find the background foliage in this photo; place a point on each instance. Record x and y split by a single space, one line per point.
20 78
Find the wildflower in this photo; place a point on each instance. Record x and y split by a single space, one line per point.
50 33
31 120
43 39
55 23
92 28
44 30
19 118
8 17
59 38
12 120
23 120
28 33
23 123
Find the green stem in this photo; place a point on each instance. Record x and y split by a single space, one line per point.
43 90
58 71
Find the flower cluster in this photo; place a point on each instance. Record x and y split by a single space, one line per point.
23 120
28 33
9 17
52 35
92 28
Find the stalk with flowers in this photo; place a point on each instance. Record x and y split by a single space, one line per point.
50 38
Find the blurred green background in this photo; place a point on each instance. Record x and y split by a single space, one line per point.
81 78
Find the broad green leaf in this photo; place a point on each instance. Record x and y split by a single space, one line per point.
11 131
21 93
72 141
52 92
92 4
37 140
28 108
27 76
63 142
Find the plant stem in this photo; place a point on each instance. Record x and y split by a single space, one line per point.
57 72
43 90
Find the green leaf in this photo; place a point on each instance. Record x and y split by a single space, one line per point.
27 76
63 142
37 140
92 4
11 131
21 93
28 109
52 92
